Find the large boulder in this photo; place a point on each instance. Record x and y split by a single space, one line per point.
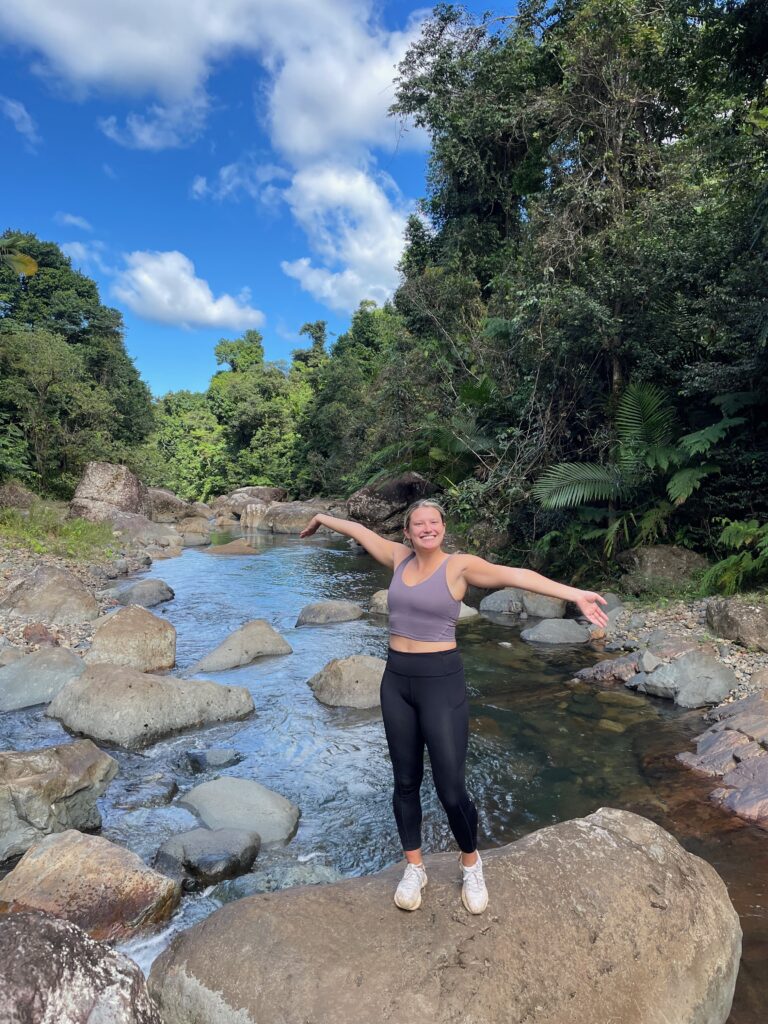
160 539
508 601
349 682
107 891
53 972
264 493
379 603
166 506
557 631
194 531
513 601
256 639
50 595
146 593
734 618
603 918
134 637
105 489
37 677
659 568
253 515
692 680
205 856
290 517
323 612
381 506
243 804
115 704
16 495
50 790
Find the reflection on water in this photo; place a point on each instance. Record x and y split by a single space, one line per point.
540 751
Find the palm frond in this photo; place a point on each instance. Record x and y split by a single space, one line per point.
682 485
572 483
701 441
644 416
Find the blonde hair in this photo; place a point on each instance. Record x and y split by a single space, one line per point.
422 503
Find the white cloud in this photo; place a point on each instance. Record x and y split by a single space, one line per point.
246 176
164 126
163 287
87 256
355 225
21 120
72 220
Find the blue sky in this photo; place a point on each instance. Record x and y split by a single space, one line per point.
214 165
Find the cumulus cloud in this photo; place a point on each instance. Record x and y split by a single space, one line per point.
87 256
71 220
164 126
21 120
244 177
163 287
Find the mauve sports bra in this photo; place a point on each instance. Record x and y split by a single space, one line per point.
427 610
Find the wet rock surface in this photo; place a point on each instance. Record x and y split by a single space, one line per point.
322 612
256 639
206 856
349 682
136 638
243 804
107 891
37 677
146 593
53 972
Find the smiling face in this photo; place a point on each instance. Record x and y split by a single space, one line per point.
426 529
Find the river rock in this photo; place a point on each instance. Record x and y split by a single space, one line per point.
107 891
194 531
322 612
291 517
692 680
105 489
508 601
467 612
50 790
9 655
256 639
243 804
253 515
379 603
659 567
274 871
159 539
734 618
382 505
349 682
166 506
557 631
134 637
53 973
50 595
216 757
154 790
146 593
263 493
38 677
204 857
239 546
611 672
116 704
607 911
744 790
542 607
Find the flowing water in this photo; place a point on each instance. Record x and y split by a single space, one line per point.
540 751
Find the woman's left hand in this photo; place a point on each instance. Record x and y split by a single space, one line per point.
588 604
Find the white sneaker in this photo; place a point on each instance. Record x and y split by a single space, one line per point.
408 892
474 894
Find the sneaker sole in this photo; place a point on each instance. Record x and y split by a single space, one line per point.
416 907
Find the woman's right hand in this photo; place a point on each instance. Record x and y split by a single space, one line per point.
312 527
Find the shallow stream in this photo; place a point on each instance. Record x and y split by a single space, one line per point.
539 752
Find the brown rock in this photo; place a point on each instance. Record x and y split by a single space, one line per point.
234 547
167 507
660 567
51 595
733 618
107 891
14 495
611 672
134 637
105 488
37 633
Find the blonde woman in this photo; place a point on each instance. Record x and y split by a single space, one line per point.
423 693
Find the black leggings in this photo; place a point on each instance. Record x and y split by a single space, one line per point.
424 700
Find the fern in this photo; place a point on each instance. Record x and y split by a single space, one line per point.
701 441
686 481
572 483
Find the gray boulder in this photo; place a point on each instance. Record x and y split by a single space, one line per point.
243 804
37 677
194 531
50 595
160 539
203 856
53 972
557 631
508 601
253 515
379 603
291 517
607 911
349 682
382 505
256 639
467 612
734 618
322 612
105 489
116 704
216 757
9 655
146 593
513 601
273 871
50 790
691 680
659 568
542 607
134 637
166 506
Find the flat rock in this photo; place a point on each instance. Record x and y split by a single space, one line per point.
50 595
322 612
692 680
745 790
275 871
50 790
243 804
256 639
107 891
733 618
607 911
349 682
146 593
131 709
136 638
556 631
204 857
37 677
240 546
53 973
611 672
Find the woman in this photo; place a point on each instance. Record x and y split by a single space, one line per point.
423 694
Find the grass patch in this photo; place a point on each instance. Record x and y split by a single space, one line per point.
45 530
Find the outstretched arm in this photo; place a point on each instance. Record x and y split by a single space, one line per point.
480 573
384 551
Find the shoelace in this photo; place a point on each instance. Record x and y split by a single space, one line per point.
412 876
473 878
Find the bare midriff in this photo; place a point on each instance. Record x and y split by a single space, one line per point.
406 645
